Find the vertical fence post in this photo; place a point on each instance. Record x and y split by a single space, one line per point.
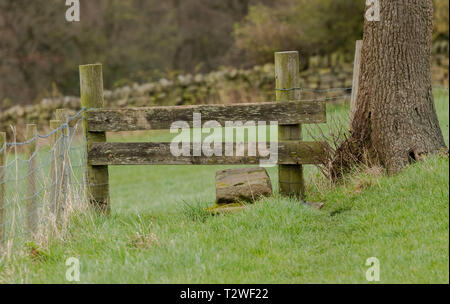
55 167
32 203
62 115
355 85
2 190
287 76
91 87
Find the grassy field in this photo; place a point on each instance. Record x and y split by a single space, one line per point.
159 233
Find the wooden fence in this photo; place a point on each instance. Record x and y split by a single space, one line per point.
288 111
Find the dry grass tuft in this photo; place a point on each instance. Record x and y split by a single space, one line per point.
367 179
144 240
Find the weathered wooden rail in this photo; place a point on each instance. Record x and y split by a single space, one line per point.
160 118
288 111
289 153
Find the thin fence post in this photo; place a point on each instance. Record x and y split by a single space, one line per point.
2 190
32 203
91 92
287 76
355 85
62 115
55 167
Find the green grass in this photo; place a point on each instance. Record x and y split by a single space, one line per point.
159 233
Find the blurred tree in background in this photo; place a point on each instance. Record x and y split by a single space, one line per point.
141 40
441 19
317 27
38 47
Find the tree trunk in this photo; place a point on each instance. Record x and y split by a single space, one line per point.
395 119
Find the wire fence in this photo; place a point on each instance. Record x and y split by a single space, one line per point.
41 185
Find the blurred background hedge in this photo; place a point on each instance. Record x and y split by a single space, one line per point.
144 40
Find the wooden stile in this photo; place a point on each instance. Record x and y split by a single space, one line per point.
289 111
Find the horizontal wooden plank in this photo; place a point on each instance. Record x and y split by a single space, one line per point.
289 152
154 118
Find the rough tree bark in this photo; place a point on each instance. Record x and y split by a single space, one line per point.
395 119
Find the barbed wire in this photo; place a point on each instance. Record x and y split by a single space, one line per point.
314 90
336 89
325 99
63 126
440 88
